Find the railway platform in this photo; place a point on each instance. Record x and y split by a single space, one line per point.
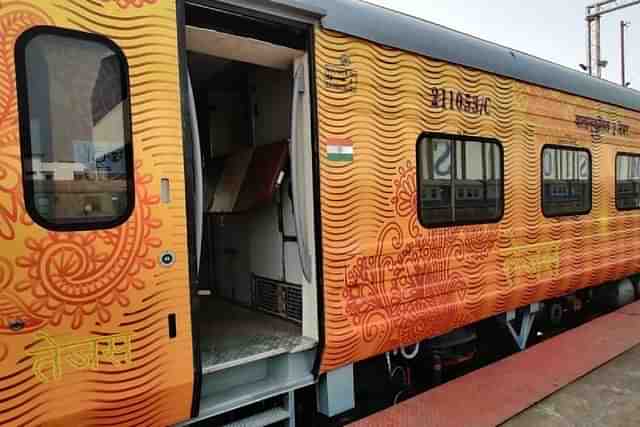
607 397
587 376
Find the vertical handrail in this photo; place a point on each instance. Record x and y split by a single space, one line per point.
198 175
297 174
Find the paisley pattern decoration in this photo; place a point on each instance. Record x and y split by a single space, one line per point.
13 22
12 208
91 285
388 281
405 197
12 308
396 295
134 3
74 275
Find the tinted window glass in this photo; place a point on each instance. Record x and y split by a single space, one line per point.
75 129
628 181
566 181
436 182
471 194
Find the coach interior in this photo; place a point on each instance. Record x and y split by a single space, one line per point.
256 295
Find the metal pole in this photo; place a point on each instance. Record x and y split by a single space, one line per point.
593 14
589 59
597 47
612 9
601 3
622 25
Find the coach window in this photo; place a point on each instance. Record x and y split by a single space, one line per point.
566 181
459 180
628 181
75 129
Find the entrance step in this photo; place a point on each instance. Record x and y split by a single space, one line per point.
255 381
264 419
247 394
255 349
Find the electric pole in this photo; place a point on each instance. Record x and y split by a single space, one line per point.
623 26
594 59
595 64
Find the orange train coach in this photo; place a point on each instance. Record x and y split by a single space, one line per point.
212 208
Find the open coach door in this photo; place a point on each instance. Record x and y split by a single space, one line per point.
95 323
250 107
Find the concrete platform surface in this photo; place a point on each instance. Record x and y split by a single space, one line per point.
607 397
496 393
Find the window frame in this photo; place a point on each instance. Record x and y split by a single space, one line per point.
567 148
24 118
615 182
454 138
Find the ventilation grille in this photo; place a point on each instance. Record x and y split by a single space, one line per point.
278 298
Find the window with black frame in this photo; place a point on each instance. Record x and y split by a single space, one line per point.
460 180
566 181
628 181
75 129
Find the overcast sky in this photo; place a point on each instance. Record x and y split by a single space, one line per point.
551 29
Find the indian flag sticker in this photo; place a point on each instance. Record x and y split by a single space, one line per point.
340 150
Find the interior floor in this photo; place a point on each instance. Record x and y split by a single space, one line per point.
233 335
243 94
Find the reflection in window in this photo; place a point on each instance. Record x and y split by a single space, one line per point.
628 181
77 154
473 194
566 181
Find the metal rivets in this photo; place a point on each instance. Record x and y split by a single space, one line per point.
16 325
167 258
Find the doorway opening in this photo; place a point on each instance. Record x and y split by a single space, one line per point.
257 295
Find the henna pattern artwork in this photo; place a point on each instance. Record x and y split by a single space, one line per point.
393 296
75 275
123 4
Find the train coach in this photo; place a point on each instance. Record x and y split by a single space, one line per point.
210 208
